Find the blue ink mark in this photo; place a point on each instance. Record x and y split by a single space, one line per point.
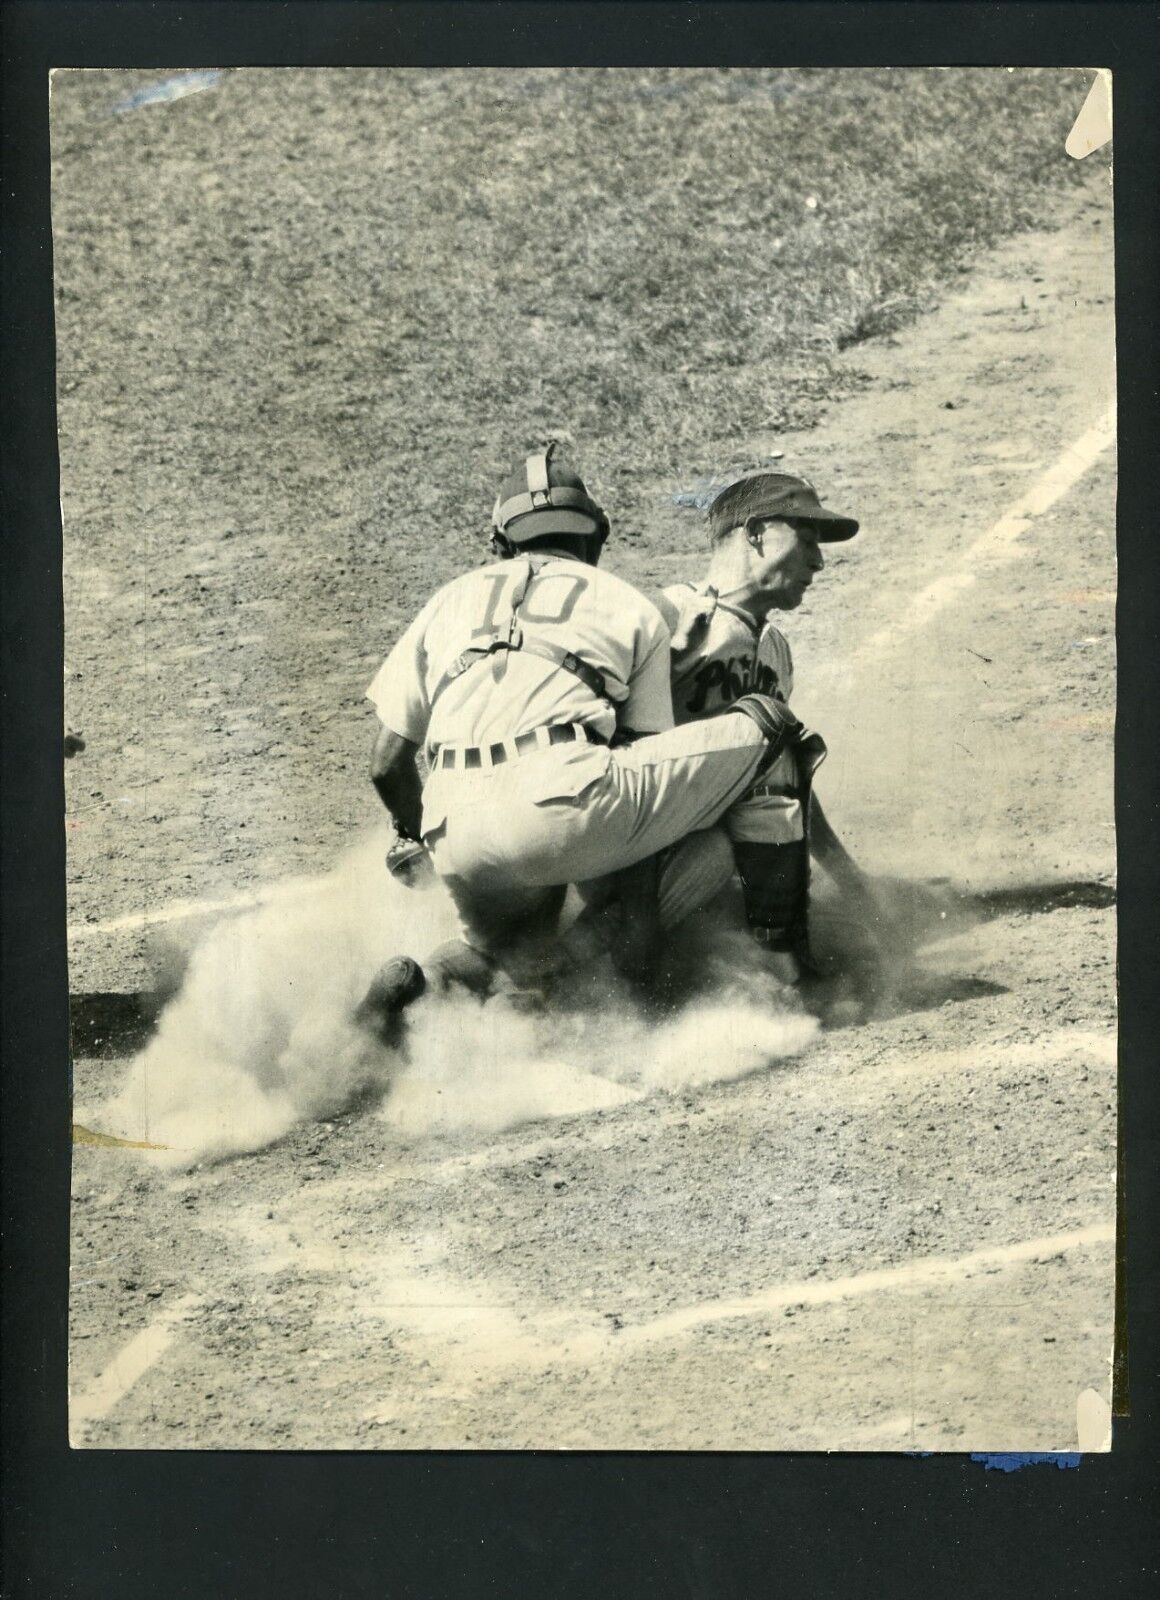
184 83
701 493
1012 1461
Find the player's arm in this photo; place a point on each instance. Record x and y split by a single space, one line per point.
649 705
395 775
399 696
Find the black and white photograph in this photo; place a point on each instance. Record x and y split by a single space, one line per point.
590 681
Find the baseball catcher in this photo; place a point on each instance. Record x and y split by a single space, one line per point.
766 531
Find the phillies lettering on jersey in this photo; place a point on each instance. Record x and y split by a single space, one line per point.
720 653
425 692
719 682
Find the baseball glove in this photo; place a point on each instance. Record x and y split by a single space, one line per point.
409 863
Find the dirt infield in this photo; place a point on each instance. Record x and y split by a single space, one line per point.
898 1235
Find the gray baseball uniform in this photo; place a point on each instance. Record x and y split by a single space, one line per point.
514 677
719 652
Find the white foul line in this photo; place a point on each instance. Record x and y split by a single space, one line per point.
556 1342
998 544
127 1366
926 1273
178 910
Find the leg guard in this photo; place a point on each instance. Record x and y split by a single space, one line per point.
775 877
775 880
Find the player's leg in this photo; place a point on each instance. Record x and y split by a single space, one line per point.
569 821
772 840
766 827
687 876
692 874
505 946
629 913
658 784
667 786
507 936
579 813
393 988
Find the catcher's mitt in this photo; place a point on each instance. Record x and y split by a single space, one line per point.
409 863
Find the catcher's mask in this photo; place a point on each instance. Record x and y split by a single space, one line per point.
546 496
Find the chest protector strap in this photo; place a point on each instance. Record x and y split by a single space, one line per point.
513 639
589 676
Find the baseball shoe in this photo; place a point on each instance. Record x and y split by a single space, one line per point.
395 985
524 1002
458 967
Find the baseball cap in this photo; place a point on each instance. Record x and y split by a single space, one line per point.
761 493
546 495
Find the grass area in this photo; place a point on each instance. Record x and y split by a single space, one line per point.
334 305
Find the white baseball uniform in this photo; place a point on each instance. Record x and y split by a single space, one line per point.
507 653
720 652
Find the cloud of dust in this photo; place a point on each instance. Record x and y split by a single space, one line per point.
876 962
490 1067
259 1035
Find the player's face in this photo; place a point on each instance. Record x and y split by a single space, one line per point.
785 563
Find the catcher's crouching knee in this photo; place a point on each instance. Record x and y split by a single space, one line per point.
773 717
782 731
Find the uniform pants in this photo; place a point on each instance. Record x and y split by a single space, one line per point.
771 813
504 839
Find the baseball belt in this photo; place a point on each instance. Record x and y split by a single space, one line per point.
473 758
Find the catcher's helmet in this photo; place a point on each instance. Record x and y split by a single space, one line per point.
544 495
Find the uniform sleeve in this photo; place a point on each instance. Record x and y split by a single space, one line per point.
775 650
398 690
649 706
